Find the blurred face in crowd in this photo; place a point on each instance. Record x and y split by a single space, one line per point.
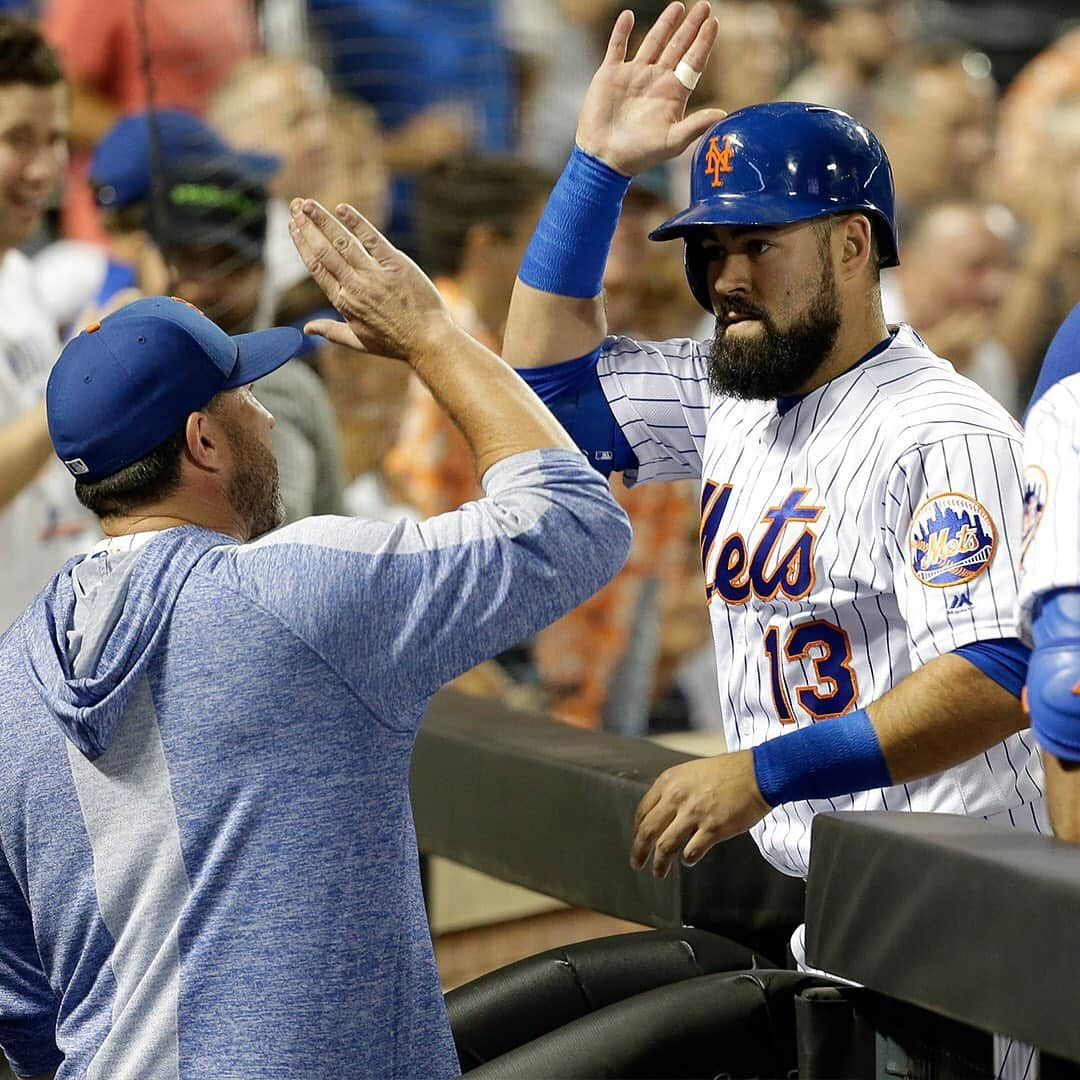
941 143
752 57
869 34
220 282
628 265
279 107
956 259
33 154
777 306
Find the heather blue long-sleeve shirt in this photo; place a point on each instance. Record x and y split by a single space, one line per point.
207 859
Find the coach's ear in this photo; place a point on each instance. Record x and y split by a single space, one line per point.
857 238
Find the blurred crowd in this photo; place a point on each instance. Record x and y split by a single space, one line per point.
193 122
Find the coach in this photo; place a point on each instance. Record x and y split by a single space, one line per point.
207 860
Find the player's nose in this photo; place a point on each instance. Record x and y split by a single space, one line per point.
730 274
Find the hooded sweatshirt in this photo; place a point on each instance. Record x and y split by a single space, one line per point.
208 866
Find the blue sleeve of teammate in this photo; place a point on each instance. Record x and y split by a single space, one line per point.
1053 688
1062 357
572 391
1005 661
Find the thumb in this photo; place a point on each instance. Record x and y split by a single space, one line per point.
694 126
337 332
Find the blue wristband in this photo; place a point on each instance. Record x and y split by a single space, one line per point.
834 757
570 246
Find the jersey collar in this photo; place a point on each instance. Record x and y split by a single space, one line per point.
786 404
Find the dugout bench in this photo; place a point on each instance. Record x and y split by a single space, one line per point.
551 807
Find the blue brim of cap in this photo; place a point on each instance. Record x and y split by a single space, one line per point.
264 165
261 352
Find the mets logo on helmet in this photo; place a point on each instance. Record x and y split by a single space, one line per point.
1036 491
718 161
952 540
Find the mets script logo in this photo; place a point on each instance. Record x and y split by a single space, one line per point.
1036 489
718 161
952 540
736 570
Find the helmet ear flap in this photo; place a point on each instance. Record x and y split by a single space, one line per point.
696 262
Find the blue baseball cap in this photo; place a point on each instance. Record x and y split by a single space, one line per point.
125 385
120 167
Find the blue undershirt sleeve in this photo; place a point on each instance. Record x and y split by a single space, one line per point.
1005 661
572 391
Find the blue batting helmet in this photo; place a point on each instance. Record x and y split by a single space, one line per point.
779 163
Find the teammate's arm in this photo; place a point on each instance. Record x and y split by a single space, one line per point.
24 448
631 118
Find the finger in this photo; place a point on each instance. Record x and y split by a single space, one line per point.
620 35
654 41
673 839
682 39
320 255
697 55
337 332
699 845
694 126
647 802
652 826
351 252
372 241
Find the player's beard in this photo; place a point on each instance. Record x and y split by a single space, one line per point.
775 363
253 493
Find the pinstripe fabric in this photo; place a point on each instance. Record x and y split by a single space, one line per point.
872 454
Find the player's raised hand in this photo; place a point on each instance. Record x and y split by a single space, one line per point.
389 304
693 806
633 113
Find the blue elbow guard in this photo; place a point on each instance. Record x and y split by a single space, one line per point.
1053 687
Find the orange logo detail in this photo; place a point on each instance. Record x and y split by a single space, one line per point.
92 327
1076 689
187 303
718 161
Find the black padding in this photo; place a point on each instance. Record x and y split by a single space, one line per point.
551 807
969 920
520 1002
833 1038
739 1024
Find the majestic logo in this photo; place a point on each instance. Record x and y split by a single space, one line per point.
1036 490
718 161
734 571
952 540
961 602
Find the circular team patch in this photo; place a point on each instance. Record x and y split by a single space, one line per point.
952 540
1036 490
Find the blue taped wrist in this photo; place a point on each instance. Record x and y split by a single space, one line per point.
834 757
570 246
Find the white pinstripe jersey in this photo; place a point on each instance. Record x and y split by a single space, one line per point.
1051 539
847 539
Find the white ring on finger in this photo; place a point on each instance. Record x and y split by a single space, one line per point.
687 75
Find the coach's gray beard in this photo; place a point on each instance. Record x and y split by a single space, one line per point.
254 493
777 363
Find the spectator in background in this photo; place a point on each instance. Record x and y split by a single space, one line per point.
935 111
191 47
850 42
212 232
81 278
280 106
438 76
951 283
1038 176
41 524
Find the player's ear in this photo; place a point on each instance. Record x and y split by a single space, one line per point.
857 237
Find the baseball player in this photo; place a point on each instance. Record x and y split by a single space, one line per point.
860 500
1050 577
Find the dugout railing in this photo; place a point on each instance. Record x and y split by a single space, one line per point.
954 927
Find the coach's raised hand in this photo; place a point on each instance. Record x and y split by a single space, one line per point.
633 113
390 306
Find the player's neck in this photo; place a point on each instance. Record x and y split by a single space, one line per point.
856 337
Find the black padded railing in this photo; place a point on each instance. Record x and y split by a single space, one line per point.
551 807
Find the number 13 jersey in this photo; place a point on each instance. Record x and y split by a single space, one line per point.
848 537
